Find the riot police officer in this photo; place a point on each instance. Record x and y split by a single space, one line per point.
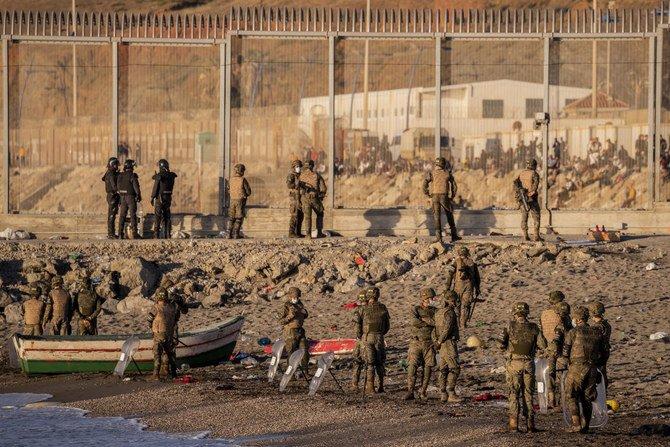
110 178
161 199
128 186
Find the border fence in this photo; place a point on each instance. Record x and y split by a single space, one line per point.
372 97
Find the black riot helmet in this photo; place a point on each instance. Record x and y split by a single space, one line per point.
163 165
113 163
129 165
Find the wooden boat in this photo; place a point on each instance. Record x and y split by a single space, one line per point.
339 346
53 354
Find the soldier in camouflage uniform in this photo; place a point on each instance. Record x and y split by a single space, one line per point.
238 191
359 358
583 348
521 339
555 351
598 321
312 192
466 283
295 205
292 318
61 307
162 320
34 311
550 320
375 324
87 305
440 186
530 181
446 342
421 353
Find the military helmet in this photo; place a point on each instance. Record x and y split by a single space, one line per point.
531 164
521 308
296 164
463 250
441 162
56 281
427 293
361 298
129 165
372 293
161 294
113 162
293 292
240 168
597 309
581 313
450 298
556 296
309 163
563 309
163 164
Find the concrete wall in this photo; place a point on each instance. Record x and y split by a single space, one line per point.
266 222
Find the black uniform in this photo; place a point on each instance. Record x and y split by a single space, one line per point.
110 178
128 186
161 197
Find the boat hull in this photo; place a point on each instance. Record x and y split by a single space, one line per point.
93 354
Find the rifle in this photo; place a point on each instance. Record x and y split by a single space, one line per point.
521 194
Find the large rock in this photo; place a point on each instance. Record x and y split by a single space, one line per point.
14 313
427 254
283 265
5 298
135 304
110 305
354 282
137 272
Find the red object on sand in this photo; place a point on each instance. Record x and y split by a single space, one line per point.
487 396
340 346
350 306
184 379
359 260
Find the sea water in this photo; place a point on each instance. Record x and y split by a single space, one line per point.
53 426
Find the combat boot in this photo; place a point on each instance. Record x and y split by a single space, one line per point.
370 384
238 227
135 235
355 377
231 229
513 424
530 423
453 398
410 389
424 386
380 389
576 425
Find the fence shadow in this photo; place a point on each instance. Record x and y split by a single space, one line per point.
381 222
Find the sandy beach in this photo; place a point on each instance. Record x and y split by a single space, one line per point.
250 277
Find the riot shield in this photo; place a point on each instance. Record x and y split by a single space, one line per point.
293 364
128 349
277 350
542 384
599 415
321 369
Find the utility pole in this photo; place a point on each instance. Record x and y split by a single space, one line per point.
74 61
366 57
594 67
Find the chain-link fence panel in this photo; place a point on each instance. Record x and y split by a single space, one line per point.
60 126
279 112
384 121
599 132
491 91
169 108
662 163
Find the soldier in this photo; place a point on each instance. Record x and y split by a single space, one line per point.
110 179
128 186
421 353
599 321
467 284
440 186
87 305
33 311
446 342
555 350
295 206
292 318
239 190
550 319
161 199
583 348
530 180
520 340
61 307
163 319
312 192
375 324
359 359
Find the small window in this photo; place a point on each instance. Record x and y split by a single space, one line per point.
492 108
533 106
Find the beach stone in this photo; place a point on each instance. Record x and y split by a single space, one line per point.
14 313
135 304
439 247
5 298
473 342
352 283
427 254
137 272
283 265
214 299
110 305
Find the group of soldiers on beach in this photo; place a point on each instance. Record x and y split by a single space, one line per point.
307 190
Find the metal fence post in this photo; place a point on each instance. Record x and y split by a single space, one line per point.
331 121
5 123
115 97
659 112
438 95
653 110
223 127
226 110
545 146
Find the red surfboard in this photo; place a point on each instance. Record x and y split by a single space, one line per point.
340 346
